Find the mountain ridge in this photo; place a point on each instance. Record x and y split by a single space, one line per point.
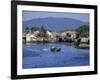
54 23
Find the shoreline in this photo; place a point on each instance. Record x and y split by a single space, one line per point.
80 46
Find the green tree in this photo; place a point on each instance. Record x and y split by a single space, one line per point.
32 30
27 30
35 29
43 32
83 31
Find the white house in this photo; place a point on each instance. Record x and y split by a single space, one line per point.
84 40
30 37
49 33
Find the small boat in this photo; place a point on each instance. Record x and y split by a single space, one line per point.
54 49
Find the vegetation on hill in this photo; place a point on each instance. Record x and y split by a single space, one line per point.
41 29
34 29
43 32
68 29
83 31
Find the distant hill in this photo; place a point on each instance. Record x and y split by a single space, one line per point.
54 24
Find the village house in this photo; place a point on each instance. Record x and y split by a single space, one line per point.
84 40
31 37
69 33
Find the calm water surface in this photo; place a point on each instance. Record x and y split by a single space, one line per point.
40 56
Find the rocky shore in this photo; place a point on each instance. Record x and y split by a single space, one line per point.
82 46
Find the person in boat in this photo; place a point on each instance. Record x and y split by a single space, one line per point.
55 49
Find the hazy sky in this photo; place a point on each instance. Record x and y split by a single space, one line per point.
28 15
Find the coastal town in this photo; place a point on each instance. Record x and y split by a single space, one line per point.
42 35
55 39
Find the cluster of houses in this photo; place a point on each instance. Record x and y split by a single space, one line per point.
51 36
65 36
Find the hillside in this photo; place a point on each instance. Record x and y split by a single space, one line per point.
54 24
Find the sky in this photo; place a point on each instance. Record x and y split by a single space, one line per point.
28 15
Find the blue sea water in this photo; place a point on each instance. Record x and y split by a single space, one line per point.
40 56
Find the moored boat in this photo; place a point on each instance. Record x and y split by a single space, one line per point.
55 49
